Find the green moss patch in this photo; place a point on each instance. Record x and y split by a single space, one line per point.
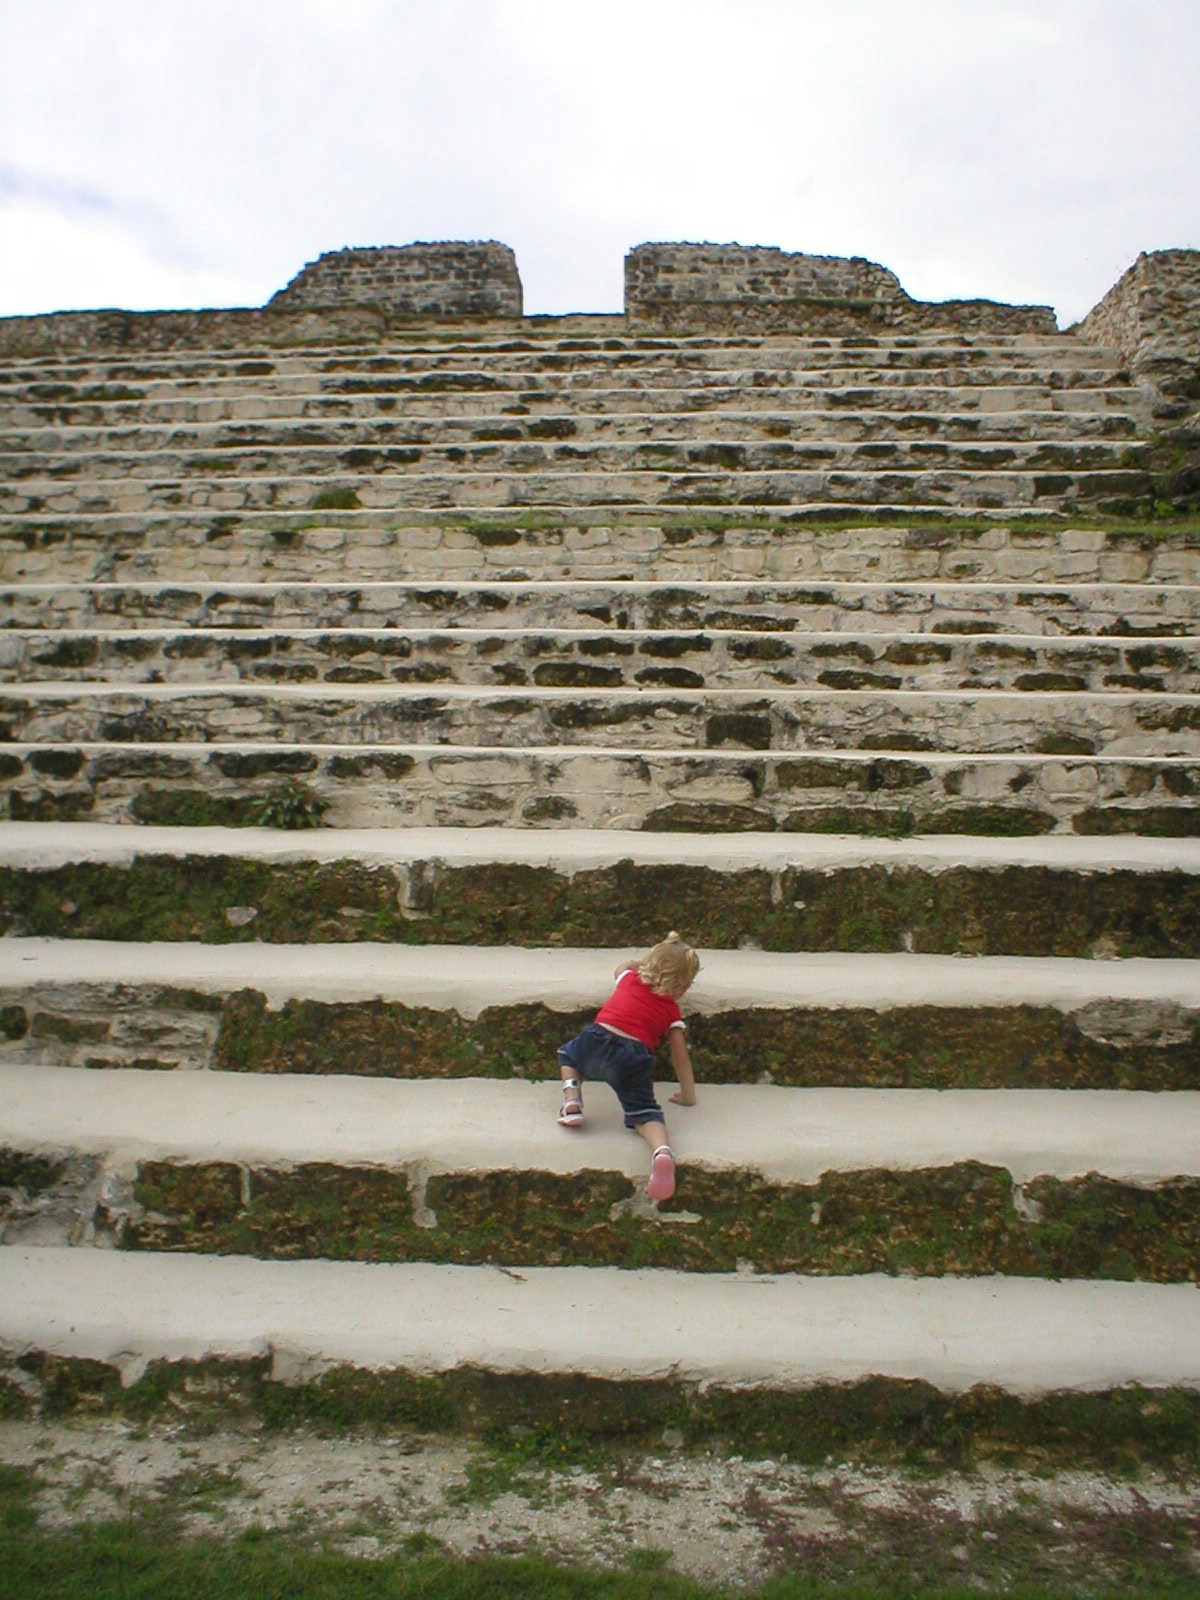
1006 911
957 1220
339 1213
914 1047
380 1039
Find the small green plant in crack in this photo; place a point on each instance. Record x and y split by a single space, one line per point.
287 805
335 500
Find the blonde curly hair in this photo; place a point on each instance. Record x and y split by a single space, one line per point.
670 967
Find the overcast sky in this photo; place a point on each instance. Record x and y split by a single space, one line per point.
161 153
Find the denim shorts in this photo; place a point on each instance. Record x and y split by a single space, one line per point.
626 1064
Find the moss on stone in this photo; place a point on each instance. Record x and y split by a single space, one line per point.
190 808
907 1047
69 1030
1153 822
43 806
1015 910
314 1210
882 1421
27 1173
956 1220
14 1022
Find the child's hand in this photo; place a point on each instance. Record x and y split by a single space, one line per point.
681 1099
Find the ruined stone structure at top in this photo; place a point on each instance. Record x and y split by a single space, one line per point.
452 279
683 287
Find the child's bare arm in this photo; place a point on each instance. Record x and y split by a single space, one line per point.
681 1062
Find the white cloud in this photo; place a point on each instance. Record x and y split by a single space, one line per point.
1022 149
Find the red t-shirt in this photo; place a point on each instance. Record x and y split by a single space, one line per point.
636 1009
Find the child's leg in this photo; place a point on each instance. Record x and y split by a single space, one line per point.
654 1133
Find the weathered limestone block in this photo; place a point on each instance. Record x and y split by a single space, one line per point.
453 279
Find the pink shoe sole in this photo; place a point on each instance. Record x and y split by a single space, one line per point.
662 1175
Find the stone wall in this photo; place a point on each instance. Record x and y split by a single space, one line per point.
355 296
1152 316
438 280
70 332
685 287
662 279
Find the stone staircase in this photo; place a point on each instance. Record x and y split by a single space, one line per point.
853 657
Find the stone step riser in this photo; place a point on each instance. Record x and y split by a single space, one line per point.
47 471
381 545
1111 612
485 491
630 428
360 786
966 1219
748 661
983 722
992 910
1152 1045
1117 403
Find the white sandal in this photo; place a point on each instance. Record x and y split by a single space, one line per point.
570 1113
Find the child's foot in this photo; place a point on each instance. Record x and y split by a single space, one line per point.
570 1113
662 1174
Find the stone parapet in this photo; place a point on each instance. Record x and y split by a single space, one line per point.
691 287
1158 299
428 280
1152 316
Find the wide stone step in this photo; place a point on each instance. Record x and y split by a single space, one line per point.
755 661
826 543
455 1011
126 405
786 1136
290 784
592 388
782 1334
1109 611
1009 488
585 428
1061 896
770 1179
1048 722
498 459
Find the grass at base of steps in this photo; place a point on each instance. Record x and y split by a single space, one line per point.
181 1542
